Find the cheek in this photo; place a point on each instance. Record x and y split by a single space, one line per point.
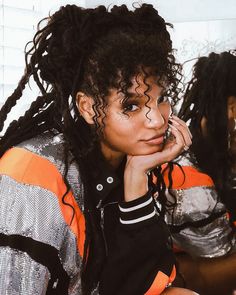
118 126
165 110
165 116
121 123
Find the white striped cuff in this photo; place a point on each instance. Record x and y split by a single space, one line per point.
138 211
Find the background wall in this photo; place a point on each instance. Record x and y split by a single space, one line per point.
200 26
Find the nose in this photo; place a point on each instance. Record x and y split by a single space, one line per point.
154 118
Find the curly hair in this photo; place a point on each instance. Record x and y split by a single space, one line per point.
88 50
212 83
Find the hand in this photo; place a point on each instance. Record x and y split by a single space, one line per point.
180 140
137 167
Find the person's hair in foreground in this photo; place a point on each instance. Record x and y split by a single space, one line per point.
210 107
88 52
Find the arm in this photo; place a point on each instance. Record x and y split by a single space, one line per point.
32 226
142 259
142 252
30 263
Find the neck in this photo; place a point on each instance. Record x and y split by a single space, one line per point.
113 158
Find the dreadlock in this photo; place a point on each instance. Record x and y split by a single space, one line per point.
88 50
206 95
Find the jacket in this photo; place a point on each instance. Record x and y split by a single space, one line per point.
199 221
42 229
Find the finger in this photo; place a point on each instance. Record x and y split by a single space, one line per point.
181 122
176 144
182 140
182 127
178 136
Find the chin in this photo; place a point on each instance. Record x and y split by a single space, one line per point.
149 151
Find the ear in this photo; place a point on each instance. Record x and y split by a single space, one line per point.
85 107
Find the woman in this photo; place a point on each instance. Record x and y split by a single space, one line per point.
203 189
77 210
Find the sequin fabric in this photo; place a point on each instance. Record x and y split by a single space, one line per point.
21 274
42 221
51 148
194 204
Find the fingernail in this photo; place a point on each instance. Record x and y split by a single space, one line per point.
176 123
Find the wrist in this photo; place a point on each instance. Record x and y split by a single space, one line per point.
135 185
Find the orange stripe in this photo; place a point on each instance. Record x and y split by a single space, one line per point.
160 282
172 275
29 168
191 177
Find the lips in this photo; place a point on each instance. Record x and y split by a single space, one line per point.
155 140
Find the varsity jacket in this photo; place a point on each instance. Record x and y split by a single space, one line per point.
42 228
199 222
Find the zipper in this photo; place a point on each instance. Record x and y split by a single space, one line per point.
101 209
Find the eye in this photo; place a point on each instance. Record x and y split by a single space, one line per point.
131 107
163 99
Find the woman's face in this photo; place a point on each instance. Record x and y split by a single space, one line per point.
138 126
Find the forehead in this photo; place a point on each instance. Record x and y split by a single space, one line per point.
142 83
141 87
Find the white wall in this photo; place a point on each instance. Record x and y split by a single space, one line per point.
181 10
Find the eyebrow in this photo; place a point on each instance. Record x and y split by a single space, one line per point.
137 96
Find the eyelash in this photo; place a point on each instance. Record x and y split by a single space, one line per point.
127 107
162 99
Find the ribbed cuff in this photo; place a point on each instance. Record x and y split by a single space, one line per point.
137 212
